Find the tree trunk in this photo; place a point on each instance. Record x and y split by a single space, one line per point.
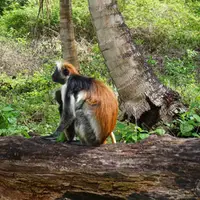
142 97
67 33
156 168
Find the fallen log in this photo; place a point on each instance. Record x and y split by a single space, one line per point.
158 168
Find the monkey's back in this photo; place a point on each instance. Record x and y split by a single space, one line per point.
104 103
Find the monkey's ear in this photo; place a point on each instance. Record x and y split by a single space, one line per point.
65 72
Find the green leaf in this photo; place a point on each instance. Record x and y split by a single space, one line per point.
12 120
197 117
3 122
134 138
196 135
7 109
186 128
138 128
120 126
159 131
143 136
2 132
61 138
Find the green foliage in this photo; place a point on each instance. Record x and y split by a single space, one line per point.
181 71
8 122
169 28
3 5
93 65
18 22
82 21
131 133
157 24
181 75
23 21
187 125
29 104
164 24
6 4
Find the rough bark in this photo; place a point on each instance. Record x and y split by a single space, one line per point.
143 98
157 168
67 33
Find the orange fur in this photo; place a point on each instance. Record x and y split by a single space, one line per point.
103 102
70 67
105 105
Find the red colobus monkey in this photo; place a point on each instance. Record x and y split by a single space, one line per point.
88 108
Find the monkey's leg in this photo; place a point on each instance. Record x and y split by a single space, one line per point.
70 133
84 129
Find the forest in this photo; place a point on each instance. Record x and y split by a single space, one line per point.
147 52
166 32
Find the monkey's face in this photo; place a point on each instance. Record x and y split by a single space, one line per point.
60 75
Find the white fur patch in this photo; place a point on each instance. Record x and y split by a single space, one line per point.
93 121
81 133
72 99
96 127
63 93
59 65
72 104
81 96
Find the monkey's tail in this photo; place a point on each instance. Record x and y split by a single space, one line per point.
113 138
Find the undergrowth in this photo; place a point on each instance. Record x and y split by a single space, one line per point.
28 104
166 31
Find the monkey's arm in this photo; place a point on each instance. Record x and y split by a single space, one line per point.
67 118
58 98
68 114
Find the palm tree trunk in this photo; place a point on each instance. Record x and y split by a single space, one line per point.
143 99
67 33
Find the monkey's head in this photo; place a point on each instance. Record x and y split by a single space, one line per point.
63 71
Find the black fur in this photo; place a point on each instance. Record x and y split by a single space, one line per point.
66 72
69 132
67 115
68 122
58 98
76 83
57 77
